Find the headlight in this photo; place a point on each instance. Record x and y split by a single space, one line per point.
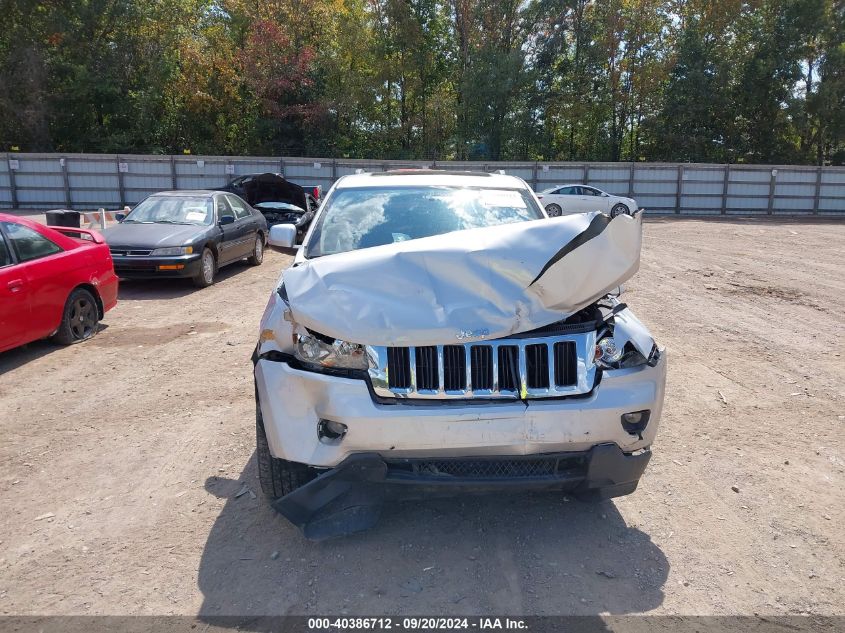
317 351
609 355
172 250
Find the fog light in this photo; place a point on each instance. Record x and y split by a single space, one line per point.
635 422
330 431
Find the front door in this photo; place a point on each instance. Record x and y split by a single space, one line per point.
228 248
246 223
570 199
592 200
43 268
14 304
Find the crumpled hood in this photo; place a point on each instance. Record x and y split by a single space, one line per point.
468 285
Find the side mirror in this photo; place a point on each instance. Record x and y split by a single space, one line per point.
120 217
283 238
227 219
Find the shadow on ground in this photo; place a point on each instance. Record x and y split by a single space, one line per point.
529 554
19 356
169 288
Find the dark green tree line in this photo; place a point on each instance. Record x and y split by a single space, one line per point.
758 81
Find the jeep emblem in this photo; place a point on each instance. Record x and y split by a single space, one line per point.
465 334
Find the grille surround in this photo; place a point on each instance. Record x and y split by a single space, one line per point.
484 369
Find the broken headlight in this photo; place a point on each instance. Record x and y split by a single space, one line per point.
315 349
610 355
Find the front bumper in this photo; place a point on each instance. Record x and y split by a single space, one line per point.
294 401
151 267
349 498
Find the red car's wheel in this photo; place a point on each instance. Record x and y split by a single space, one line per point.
80 319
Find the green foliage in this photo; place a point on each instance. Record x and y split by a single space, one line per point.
675 80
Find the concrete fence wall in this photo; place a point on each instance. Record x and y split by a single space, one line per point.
89 181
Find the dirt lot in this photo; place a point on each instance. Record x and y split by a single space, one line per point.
121 459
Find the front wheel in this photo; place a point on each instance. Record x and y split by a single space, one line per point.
205 276
278 477
554 210
80 319
619 209
257 252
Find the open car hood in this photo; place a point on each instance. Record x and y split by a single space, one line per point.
273 188
467 285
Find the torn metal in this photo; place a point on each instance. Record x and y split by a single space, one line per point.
469 285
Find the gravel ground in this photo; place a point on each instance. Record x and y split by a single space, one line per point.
122 458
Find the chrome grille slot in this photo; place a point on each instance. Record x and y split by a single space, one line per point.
398 367
427 372
566 364
509 368
537 366
481 364
454 368
519 367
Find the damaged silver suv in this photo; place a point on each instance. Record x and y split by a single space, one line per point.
437 331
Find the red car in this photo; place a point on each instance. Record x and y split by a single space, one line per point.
54 281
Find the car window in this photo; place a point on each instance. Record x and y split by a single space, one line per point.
172 210
29 244
589 191
373 216
238 207
568 191
5 253
223 208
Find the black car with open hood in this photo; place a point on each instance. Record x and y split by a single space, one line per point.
278 199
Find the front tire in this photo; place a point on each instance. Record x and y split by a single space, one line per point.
257 251
80 318
619 209
554 210
278 477
205 277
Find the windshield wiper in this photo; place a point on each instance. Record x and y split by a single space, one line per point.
170 222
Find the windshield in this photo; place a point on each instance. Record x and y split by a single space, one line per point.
374 216
173 210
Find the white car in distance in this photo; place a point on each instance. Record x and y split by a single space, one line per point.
566 199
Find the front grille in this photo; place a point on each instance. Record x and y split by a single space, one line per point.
492 468
398 367
519 367
428 377
123 252
454 368
566 363
509 368
537 364
481 363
